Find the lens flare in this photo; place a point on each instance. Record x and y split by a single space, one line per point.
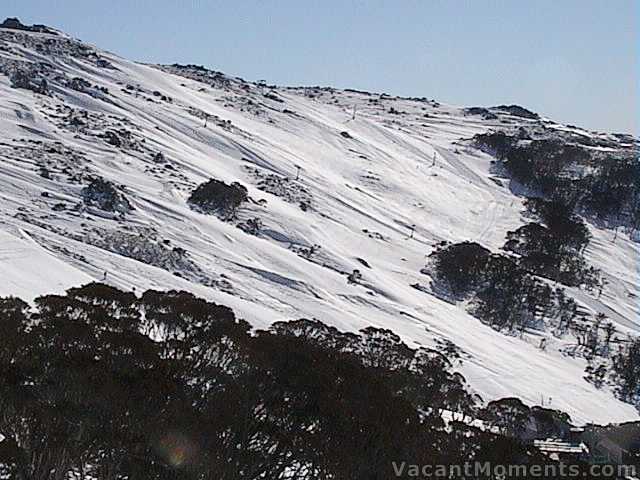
177 449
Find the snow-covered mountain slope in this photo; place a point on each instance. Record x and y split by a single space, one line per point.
369 167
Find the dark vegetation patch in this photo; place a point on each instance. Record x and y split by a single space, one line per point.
103 194
272 96
44 77
613 361
512 292
517 111
50 45
287 188
484 112
554 248
625 372
168 386
116 131
79 84
201 74
121 138
15 24
506 290
502 293
251 226
306 252
604 185
146 246
217 197
29 79
460 266
51 160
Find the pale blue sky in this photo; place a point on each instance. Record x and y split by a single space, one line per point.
573 60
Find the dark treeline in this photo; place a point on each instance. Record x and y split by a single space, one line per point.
505 290
510 289
102 384
506 287
625 372
553 246
503 293
605 185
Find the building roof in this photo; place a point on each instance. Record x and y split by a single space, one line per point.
552 445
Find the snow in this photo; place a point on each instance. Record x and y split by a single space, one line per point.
26 267
366 193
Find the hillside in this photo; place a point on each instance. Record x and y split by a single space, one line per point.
336 181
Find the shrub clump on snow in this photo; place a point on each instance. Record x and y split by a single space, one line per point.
79 84
218 197
104 195
484 112
284 187
14 23
518 111
29 80
459 268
